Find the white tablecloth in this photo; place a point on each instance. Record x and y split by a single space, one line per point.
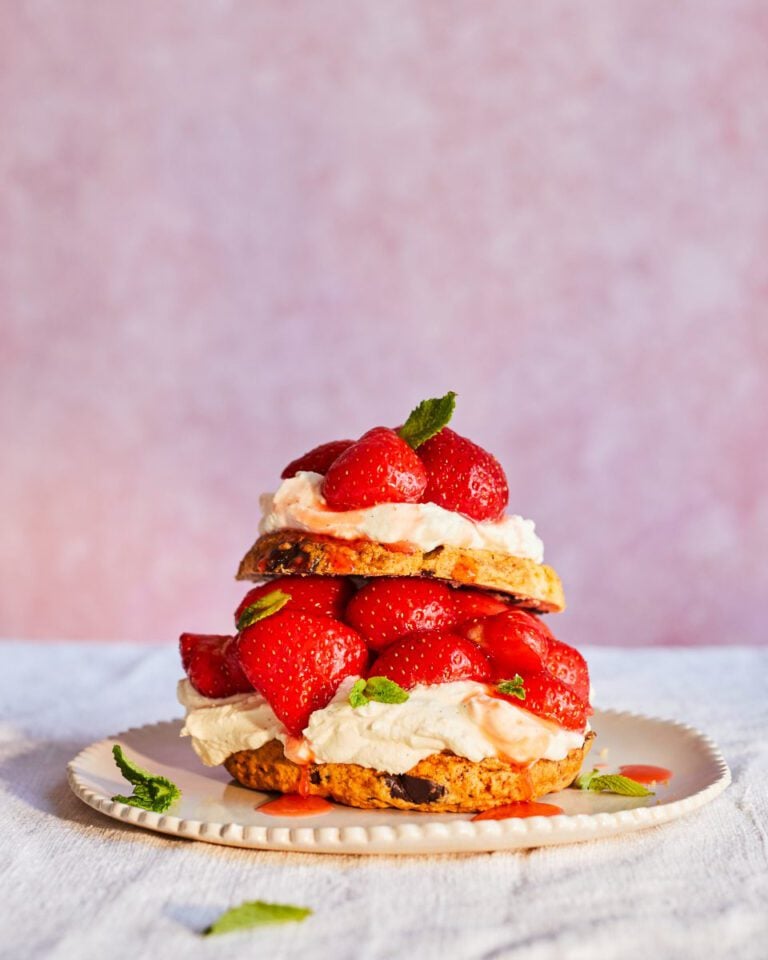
75 884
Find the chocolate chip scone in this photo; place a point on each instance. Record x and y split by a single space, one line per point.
441 783
534 586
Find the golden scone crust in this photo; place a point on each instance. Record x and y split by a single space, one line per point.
441 783
532 585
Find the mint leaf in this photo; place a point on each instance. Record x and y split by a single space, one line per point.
263 607
384 690
150 792
380 689
611 783
256 913
357 695
583 780
513 687
427 419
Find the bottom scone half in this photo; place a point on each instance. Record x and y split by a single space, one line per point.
440 783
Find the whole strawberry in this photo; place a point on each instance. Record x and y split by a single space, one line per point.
439 657
297 660
511 643
318 459
463 477
388 608
379 468
519 642
326 595
514 642
568 665
471 604
212 665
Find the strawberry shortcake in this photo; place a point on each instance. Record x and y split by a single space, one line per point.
394 655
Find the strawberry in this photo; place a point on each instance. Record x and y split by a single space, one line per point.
472 604
297 660
518 642
212 665
325 595
379 468
568 665
387 608
514 642
437 657
550 698
318 459
463 477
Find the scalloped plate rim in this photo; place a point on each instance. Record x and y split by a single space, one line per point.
433 836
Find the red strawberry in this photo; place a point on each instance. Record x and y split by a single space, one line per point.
550 698
325 595
568 665
212 665
438 657
518 642
297 661
463 477
471 604
318 459
379 468
391 607
514 642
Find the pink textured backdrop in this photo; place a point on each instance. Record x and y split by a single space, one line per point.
232 230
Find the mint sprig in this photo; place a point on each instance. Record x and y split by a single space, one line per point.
513 688
150 792
611 783
380 689
256 913
427 419
263 607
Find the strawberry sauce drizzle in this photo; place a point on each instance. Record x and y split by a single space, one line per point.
304 784
520 810
296 805
644 773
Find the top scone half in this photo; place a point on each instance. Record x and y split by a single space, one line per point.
420 500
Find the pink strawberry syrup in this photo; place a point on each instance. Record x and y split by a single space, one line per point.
644 773
520 810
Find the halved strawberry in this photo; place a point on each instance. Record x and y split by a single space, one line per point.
463 477
324 595
212 665
387 608
514 642
379 468
471 604
318 459
297 660
550 698
438 657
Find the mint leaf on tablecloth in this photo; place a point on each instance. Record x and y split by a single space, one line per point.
150 791
256 913
427 419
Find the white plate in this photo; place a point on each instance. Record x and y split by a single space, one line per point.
214 809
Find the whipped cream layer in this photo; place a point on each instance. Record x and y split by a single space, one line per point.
299 505
459 717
